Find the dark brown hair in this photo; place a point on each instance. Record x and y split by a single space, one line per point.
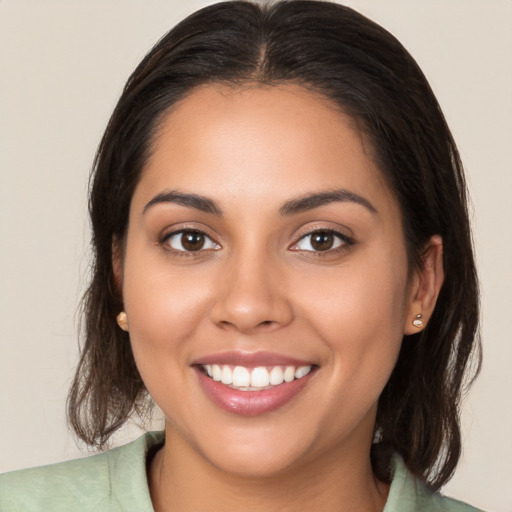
364 71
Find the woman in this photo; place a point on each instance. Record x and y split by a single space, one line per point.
284 265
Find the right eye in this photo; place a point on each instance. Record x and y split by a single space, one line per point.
188 240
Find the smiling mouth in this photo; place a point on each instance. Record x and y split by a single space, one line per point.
260 378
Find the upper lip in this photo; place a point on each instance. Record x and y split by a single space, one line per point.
250 359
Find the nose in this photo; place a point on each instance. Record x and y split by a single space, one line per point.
251 297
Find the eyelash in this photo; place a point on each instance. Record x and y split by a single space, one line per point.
344 242
165 240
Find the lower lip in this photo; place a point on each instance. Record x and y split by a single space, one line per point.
251 403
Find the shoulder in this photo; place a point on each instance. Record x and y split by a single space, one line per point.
75 485
100 482
408 493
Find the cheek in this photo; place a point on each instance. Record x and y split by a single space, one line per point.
158 296
360 298
165 308
164 316
359 313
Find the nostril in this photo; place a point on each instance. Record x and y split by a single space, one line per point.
266 324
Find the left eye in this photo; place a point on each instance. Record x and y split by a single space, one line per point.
319 241
190 241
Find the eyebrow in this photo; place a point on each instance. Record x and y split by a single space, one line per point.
191 200
311 201
298 205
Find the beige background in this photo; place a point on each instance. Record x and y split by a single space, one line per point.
62 66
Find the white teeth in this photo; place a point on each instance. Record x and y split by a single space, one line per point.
241 377
258 378
276 376
217 372
226 377
302 371
289 373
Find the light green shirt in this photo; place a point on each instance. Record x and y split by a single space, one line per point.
116 481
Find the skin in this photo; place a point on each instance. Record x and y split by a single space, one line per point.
258 285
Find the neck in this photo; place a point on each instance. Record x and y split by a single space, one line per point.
182 480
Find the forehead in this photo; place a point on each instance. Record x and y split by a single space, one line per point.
227 109
259 141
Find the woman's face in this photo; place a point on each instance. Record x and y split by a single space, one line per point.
264 246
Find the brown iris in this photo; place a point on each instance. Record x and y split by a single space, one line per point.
322 240
192 240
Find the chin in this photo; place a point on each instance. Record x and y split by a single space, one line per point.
257 448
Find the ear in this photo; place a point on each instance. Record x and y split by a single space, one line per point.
425 285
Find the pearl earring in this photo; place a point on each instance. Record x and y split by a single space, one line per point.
417 322
122 321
